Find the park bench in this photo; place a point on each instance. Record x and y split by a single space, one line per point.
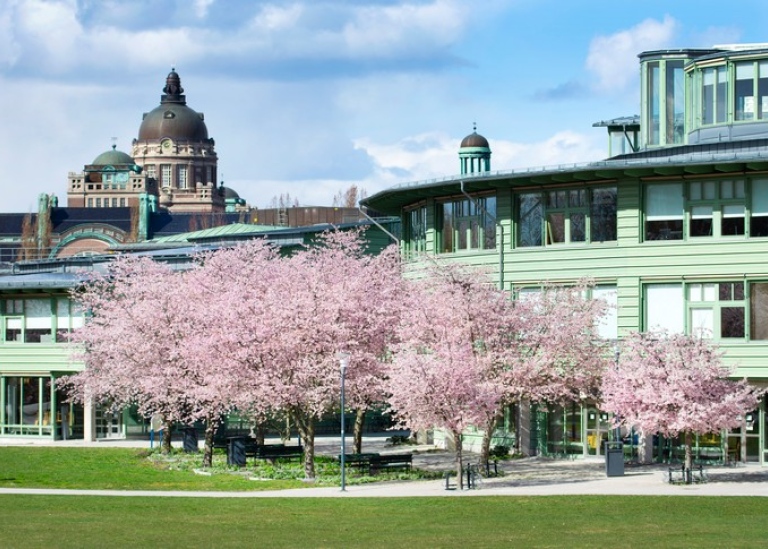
677 475
361 462
390 462
272 452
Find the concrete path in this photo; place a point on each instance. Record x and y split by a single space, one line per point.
523 477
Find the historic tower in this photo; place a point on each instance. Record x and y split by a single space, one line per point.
174 150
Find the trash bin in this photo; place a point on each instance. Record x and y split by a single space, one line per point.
190 440
236 451
614 459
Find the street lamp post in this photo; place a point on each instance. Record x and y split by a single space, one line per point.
343 362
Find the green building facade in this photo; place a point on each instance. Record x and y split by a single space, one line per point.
673 229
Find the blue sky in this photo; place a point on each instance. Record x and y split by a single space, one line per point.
312 96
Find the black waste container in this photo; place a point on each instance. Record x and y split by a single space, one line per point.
236 451
614 459
190 440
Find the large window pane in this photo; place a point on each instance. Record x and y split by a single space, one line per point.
603 215
762 89
38 321
665 308
664 212
578 228
708 96
654 102
722 95
758 223
744 98
531 217
701 221
555 228
758 303
675 102
732 322
702 322
608 327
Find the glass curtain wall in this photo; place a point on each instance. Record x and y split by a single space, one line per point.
664 93
32 406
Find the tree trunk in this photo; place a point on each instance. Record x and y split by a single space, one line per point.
210 429
490 427
260 432
688 457
306 427
457 438
358 432
167 426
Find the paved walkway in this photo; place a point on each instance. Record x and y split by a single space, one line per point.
524 477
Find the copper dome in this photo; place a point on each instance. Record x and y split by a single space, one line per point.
475 140
172 118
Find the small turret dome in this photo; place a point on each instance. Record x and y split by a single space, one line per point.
475 153
112 157
474 140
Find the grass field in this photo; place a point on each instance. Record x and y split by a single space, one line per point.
463 522
585 521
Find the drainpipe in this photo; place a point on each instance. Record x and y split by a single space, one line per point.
379 225
500 244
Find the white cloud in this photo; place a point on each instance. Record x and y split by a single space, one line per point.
423 157
613 58
397 29
201 8
57 37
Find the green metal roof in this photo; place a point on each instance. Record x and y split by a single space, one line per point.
391 201
214 232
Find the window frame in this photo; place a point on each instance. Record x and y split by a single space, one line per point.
478 219
542 212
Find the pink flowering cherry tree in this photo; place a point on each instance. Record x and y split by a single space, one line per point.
146 342
327 298
452 331
675 385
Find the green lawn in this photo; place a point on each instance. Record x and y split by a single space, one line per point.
116 469
465 522
584 521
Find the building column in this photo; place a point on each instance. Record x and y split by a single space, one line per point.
89 420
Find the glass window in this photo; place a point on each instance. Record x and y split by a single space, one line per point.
717 309
654 100
758 224
744 93
758 303
567 216
664 212
416 230
182 177
721 99
717 208
151 171
762 89
675 102
531 216
165 175
38 321
469 224
608 327
665 308
708 96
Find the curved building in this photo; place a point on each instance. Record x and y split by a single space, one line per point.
673 229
